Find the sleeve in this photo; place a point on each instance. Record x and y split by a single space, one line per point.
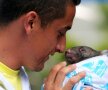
2 87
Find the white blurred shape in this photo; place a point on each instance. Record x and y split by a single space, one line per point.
88 13
84 29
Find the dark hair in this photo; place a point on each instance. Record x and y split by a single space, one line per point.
48 10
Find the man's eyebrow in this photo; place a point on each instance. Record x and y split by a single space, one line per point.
68 27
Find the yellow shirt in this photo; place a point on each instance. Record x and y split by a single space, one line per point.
12 76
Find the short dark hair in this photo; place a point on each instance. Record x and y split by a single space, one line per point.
48 10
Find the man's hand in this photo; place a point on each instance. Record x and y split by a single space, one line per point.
56 77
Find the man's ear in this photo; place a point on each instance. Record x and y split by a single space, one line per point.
30 20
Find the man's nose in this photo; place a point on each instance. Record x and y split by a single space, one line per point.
68 51
60 47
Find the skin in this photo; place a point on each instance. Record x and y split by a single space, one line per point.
26 43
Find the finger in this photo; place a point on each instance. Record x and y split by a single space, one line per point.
62 74
52 75
88 88
72 81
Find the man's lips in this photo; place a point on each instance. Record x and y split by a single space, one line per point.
47 58
52 53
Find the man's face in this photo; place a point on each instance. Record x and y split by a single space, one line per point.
47 41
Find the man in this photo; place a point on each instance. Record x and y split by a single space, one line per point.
30 31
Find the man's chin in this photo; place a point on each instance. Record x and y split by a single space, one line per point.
38 69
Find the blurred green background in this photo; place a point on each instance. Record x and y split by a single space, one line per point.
90 28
